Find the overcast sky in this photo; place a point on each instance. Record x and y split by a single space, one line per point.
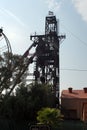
21 18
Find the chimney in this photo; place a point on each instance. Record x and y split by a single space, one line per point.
70 90
85 90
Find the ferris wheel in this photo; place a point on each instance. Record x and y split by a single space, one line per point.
5 59
10 71
5 50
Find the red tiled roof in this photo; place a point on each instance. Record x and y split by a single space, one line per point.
75 94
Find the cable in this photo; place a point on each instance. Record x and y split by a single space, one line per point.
74 69
74 35
81 42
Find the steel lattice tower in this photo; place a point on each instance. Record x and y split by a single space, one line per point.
47 54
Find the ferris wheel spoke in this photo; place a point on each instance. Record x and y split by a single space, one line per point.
5 61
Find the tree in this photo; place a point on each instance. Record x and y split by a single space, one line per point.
27 101
10 71
50 116
34 96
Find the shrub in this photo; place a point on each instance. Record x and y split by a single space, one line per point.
49 116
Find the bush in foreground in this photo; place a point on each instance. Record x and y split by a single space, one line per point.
49 116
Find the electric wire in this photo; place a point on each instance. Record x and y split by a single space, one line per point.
74 35
74 69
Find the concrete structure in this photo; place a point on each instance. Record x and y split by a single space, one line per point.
74 104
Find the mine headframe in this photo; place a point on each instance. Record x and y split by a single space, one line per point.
47 54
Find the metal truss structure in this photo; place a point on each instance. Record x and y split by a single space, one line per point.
45 57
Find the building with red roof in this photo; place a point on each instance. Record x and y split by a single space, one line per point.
74 104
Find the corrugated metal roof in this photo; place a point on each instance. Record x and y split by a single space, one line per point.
75 94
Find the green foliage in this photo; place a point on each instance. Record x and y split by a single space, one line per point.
9 70
50 116
28 99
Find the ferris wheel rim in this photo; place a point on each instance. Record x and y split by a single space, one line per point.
9 49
